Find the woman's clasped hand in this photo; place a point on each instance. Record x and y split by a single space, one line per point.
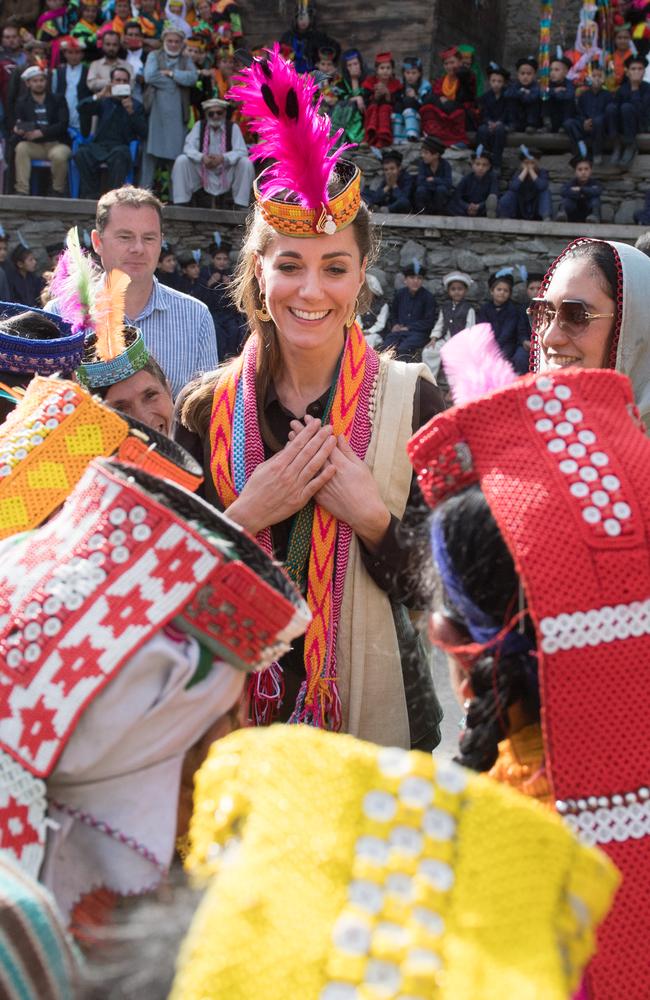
285 483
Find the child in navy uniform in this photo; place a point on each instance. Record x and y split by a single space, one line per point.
508 320
476 194
416 90
630 113
433 184
528 196
393 194
581 195
561 103
455 314
591 124
495 114
412 316
524 97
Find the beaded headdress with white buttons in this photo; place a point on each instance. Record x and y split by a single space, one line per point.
127 555
564 464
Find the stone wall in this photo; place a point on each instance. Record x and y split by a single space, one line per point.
521 35
478 246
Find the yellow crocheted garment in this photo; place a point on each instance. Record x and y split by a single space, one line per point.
45 445
520 764
346 871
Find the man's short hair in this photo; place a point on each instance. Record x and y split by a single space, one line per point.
111 31
128 195
120 69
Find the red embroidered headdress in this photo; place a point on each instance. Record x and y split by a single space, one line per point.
565 467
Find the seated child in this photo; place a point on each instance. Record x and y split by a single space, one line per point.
455 314
630 112
469 61
382 91
325 63
393 194
167 272
581 195
351 105
433 184
374 319
586 51
623 49
508 320
561 98
494 114
412 316
591 123
528 196
453 97
189 282
416 89
533 284
524 97
477 192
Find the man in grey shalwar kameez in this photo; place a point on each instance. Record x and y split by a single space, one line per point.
171 74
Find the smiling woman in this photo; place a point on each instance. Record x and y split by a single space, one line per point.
303 437
591 312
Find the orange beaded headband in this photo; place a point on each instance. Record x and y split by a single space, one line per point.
291 219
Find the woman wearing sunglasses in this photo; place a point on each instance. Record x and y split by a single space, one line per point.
591 312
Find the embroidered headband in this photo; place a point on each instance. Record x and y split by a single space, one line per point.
96 374
38 355
293 193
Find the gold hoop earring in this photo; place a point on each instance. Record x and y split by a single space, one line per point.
352 318
262 313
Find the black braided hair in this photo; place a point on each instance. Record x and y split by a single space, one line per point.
484 565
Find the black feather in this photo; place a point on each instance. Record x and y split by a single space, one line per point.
269 99
291 105
266 69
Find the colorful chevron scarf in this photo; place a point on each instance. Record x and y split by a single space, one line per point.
236 450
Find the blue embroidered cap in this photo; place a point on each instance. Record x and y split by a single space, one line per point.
38 355
101 374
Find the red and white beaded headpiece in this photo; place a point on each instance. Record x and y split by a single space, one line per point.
565 467
126 555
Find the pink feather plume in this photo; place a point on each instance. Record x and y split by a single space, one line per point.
474 365
284 114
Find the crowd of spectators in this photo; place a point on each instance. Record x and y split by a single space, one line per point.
129 90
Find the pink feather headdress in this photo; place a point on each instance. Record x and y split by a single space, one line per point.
283 110
474 365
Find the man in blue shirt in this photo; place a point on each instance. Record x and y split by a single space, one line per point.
412 316
177 329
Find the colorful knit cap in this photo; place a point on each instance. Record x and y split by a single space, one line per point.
416 878
292 193
125 556
564 464
38 960
49 439
38 356
319 545
96 374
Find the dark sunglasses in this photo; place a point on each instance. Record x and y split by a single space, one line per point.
216 114
571 315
